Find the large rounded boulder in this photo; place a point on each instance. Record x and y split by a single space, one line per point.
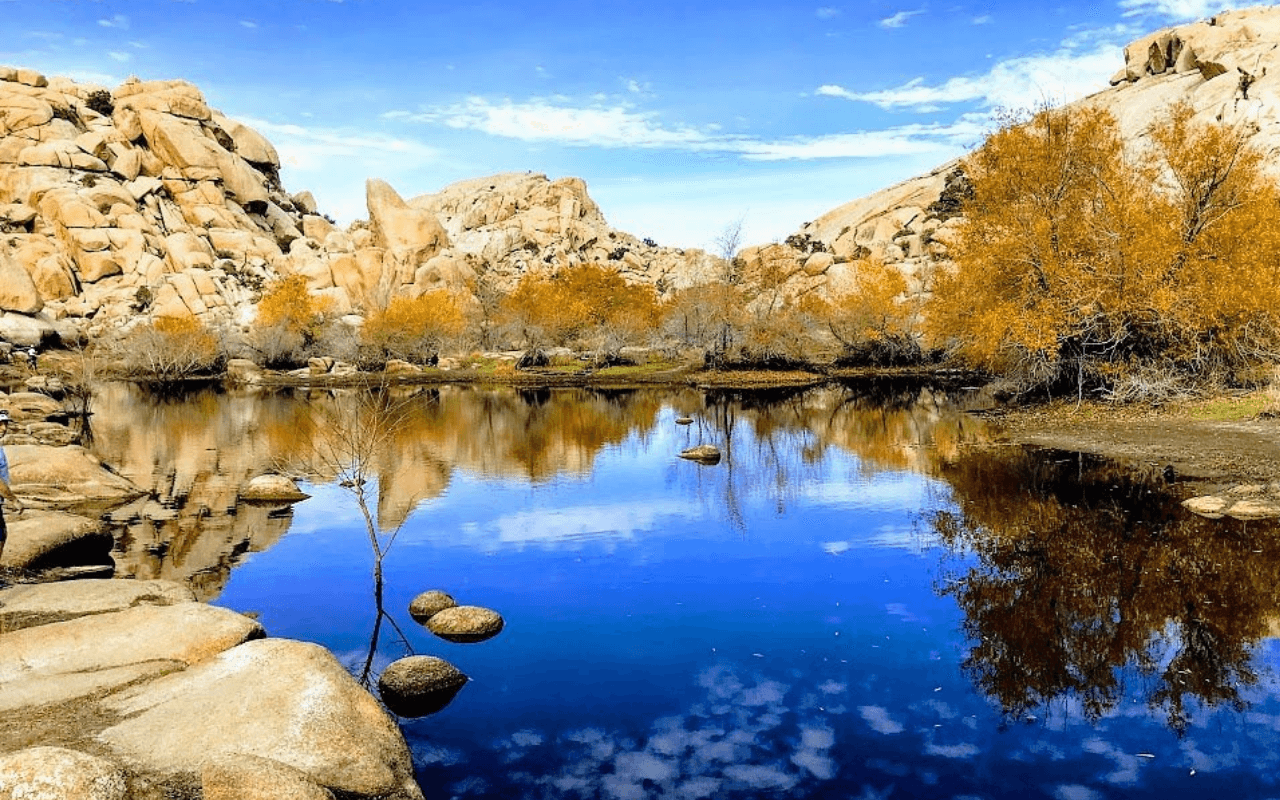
428 604
419 685
466 624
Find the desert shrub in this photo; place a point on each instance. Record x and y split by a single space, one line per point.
1077 265
413 329
171 349
289 325
100 101
586 304
709 316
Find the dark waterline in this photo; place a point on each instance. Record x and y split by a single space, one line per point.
854 603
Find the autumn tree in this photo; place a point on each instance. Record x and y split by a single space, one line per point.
1079 264
290 322
414 329
586 304
875 321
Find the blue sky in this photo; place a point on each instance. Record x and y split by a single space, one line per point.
681 116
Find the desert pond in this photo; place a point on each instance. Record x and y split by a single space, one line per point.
856 602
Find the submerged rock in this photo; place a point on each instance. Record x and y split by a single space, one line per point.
1245 501
466 624
428 604
707 454
420 685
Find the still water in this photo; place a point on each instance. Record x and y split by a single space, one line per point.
857 602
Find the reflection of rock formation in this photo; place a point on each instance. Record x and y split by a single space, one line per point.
195 455
1085 571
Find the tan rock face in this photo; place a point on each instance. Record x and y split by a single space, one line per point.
17 291
261 699
55 772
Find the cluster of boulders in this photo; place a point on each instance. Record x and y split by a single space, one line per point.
416 686
113 689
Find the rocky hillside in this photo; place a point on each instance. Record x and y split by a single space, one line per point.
1226 67
122 205
142 201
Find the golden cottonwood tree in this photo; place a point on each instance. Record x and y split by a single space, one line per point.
875 321
1079 265
290 321
414 329
588 302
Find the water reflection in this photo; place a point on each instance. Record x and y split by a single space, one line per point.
1090 576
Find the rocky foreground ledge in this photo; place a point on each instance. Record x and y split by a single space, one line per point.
132 689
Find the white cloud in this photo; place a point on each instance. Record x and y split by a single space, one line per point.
900 19
117 21
120 56
245 23
1175 9
542 120
1062 76
985 19
826 12
880 720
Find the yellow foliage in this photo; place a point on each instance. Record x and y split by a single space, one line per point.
171 348
1076 261
289 305
415 328
576 301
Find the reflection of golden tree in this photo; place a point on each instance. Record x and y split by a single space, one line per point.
1084 571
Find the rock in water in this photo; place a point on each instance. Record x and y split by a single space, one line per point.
428 604
466 624
707 454
420 685
273 488
684 420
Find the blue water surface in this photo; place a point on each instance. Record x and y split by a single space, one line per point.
771 626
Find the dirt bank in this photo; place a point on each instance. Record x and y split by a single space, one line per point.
1224 439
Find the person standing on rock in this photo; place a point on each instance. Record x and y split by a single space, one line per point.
9 502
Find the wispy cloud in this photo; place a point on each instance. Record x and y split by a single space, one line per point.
826 12
1057 77
120 56
900 19
543 120
117 21
246 23
1175 10
984 19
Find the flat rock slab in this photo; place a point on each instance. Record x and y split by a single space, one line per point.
65 476
54 773
25 606
188 632
36 538
1244 501
45 690
287 701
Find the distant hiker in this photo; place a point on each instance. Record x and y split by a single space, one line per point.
9 502
1246 80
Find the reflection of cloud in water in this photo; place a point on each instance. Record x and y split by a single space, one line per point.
715 749
576 523
887 492
428 755
1126 771
879 720
1074 791
889 537
962 750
